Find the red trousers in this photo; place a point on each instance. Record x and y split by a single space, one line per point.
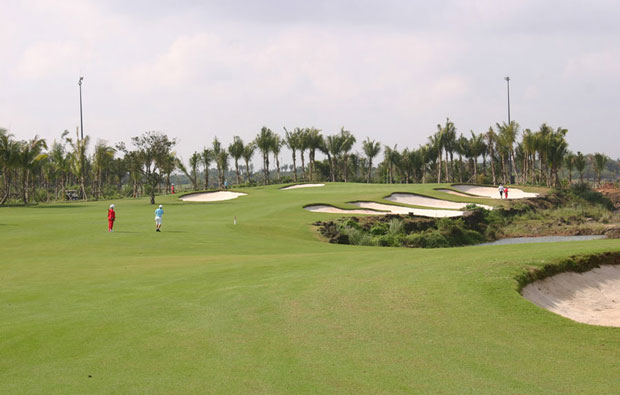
110 224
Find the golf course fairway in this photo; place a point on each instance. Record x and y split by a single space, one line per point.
266 306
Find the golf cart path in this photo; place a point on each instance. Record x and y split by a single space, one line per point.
592 297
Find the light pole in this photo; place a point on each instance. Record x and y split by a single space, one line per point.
81 120
508 91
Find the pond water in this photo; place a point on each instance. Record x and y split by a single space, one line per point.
543 239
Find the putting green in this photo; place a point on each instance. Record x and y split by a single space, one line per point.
265 306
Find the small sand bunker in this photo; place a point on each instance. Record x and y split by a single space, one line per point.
391 209
592 297
323 208
303 186
382 209
451 192
212 196
492 192
417 200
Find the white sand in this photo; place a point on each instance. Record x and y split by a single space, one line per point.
451 192
391 209
417 200
212 196
321 208
492 192
303 186
592 297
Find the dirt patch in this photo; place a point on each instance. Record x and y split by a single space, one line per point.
611 192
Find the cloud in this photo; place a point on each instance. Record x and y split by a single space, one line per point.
45 59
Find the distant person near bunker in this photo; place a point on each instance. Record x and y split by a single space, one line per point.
159 213
111 218
501 191
506 192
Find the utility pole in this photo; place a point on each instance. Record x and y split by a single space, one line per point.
81 120
508 91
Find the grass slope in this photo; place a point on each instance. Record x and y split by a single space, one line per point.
264 306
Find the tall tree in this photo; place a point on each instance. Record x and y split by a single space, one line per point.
491 140
580 164
206 157
292 142
371 149
217 149
314 141
236 151
248 152
346 144
29 154
264 143
599 161
153 148
104 154
276 147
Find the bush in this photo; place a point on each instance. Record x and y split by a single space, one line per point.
395 227
379 229
583 191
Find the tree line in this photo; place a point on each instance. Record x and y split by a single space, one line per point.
34 171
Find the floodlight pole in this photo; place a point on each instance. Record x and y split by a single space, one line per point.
81 119
508 91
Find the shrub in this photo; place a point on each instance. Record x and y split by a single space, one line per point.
379 229
395 227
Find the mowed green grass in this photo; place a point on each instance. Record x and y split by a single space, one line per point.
265 306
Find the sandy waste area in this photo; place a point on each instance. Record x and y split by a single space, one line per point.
592 297
303 186
372 208
491 192
212 196
417 200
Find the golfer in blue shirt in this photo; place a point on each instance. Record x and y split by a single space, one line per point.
159 213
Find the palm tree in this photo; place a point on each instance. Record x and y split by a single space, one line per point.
599 162
437 141
248 152
104 154
78 161
29 154
580 164
491 139
449 143
192 172
477 148
236 151
557 149
371 149
222 163
292 142
390 159
264 143
217 149
347 141
506 136
569 162
276 146
314 141
332 146
206 157
9 157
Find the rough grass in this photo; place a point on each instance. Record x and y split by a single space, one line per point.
265 306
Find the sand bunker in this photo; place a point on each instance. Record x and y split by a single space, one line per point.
322 208
212 196
451 192
417 200
492 192
592 297
303 186
382 209
391 209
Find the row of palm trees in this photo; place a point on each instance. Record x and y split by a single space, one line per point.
504 153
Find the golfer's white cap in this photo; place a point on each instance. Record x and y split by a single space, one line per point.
111 206
160 206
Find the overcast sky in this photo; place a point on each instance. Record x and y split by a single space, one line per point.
390 70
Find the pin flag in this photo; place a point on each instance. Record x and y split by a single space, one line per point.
235 220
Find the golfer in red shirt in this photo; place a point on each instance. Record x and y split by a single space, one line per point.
111 218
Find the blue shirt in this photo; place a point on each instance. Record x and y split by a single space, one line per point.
159 212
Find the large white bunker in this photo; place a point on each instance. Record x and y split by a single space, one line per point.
592 297
212 196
